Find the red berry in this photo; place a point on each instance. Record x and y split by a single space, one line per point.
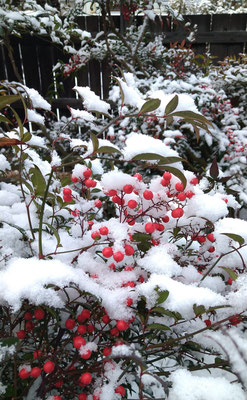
104 230
59 383
98 203
181 196
23 373
235 320
116 199
179 187
107 252
90 328
211 249
28 316
86 355
87 173
114 332
67 199
82 329
95 235
128 268
112 192
138 176
48 367
132 204
39 313
35 372
148 195
37 354
112 266
106 319
129 250
177 213
118 256
129 301
165 182
122 325
67 192
120 389
78 341
29 325
70 323
82 396
128 189
90 183
85 314
149 227
86 378
211 237
189 194
56 397
207 322
160 227
130 284
21 334
165 219
194 181
74 179
201 239
229 281
106 351
130 221
167 176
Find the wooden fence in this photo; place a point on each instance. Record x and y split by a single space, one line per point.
224 35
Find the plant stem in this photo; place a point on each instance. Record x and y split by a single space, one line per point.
41 256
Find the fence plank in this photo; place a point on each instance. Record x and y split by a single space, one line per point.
231 24
31 69
225 34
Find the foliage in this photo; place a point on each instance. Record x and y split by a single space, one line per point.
110 279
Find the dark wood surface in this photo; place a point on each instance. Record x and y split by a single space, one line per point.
224 35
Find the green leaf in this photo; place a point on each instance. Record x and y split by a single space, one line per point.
38 181
95 142
214 170
159 327
9 99
121 89
231 273
141 237
55 232
235 237
108 149
172 105
155 156
191 115
199 310
26 137
178 174
18 120
162 296
4 119
149 105
8 341
21 230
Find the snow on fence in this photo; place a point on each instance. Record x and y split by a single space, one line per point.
224 35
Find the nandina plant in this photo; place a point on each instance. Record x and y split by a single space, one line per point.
114 283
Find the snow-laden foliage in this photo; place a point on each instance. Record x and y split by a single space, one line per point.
117 270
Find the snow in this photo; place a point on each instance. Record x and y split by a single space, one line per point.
4 164
137 143
33 116
181 297
189 387
91 101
